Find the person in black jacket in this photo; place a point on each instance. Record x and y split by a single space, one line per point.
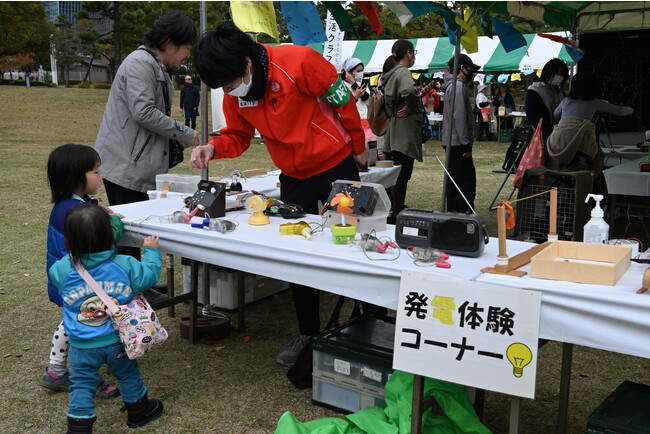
190 99
543 97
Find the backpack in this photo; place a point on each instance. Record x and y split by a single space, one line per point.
377 116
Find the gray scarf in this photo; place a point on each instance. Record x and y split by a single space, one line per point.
551 95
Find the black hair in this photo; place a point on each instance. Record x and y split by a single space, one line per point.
67 166
401 48
552 67
220 54
87 229
585 86
172 26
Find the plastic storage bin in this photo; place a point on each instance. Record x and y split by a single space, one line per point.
506 136
177 183
353 362
625 411
344 397
223 286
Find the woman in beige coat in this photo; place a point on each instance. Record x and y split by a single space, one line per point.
404 137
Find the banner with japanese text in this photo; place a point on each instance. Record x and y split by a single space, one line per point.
334 45
255 17
471 333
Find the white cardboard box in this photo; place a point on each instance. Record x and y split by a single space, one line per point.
223 286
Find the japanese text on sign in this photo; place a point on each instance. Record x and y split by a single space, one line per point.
470 333
334 45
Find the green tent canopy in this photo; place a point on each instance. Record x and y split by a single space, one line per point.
434 53
576 16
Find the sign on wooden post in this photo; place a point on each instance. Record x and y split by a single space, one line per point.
471 333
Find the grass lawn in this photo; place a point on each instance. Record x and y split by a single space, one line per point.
234 385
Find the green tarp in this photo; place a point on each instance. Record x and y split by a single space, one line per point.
459 415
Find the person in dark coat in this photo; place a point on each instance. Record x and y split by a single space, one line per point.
190 99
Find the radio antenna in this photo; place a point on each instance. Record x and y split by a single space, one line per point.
456 185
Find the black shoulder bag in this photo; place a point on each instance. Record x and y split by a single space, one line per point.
300 373
175 147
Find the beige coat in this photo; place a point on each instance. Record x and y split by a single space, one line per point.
570 136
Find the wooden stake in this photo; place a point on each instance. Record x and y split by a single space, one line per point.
552 231
501 226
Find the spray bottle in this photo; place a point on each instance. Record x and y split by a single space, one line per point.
596 230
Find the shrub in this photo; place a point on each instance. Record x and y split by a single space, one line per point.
84 85
41 84
101 86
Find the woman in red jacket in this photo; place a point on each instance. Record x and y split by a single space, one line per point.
297 101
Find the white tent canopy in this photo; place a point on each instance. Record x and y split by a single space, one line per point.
434 53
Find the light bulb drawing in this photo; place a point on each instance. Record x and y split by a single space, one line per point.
519 355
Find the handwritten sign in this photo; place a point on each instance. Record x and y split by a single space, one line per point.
255 17
470 333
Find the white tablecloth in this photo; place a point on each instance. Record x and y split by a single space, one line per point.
627 179
610 318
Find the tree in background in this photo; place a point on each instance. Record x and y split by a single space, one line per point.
89 43
68 47
24 34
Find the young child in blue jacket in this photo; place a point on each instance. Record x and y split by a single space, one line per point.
93 341
73 175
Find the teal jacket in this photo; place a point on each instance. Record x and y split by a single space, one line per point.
84 314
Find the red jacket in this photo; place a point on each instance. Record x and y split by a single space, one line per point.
301 138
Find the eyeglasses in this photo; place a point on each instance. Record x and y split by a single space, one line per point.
415 52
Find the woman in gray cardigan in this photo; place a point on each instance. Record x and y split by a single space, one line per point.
404 137
133 139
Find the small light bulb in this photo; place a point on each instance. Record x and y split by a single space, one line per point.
519 355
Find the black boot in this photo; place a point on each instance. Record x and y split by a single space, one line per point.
143 411
80 426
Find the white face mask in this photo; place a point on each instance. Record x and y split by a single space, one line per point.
358 77
243 88
556 80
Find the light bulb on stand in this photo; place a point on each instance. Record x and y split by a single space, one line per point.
344 203
519 355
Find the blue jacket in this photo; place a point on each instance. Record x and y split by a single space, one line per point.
55 242
84 314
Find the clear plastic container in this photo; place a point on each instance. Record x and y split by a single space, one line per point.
376 220
177 182
344 397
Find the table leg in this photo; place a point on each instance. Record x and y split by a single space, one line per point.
241 301
193 332
206 284
498 127
565 382
171 309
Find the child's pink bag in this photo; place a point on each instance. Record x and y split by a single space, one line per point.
136 322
